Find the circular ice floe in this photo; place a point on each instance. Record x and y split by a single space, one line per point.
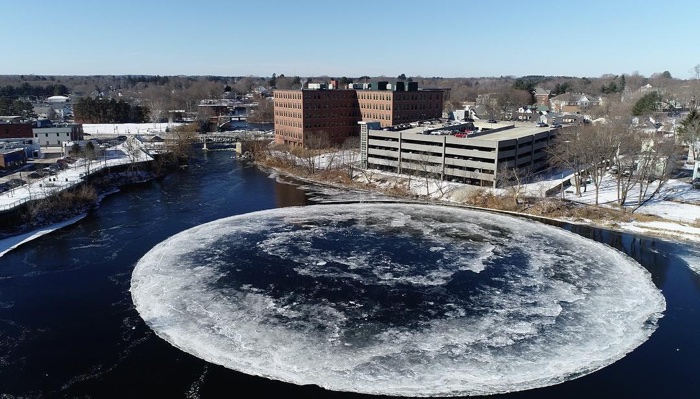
396 299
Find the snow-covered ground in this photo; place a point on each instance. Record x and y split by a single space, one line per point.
10 243
73 175
44 187
677 202
119 129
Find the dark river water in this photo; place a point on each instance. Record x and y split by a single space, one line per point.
68 326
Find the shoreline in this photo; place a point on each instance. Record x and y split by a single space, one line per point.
678 232
655 230
10 243
29 234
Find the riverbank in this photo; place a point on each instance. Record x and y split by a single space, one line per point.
556 209
46 223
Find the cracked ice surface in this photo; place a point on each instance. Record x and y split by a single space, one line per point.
396 299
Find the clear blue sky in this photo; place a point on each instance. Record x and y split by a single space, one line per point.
460 38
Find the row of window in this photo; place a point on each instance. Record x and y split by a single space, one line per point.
324 115
288 95
382 107
415 97
376 116
288 114
374 96
287 122
288 134
287 105
329 95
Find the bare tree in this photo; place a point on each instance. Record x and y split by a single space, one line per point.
513 179
350 152
180 141
264 112
315 144
90 154
656 162
430 171
244 85
568 151
600 148
133 151
510 99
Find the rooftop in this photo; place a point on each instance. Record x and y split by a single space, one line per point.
501 130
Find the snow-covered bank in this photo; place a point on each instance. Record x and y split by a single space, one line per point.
10 243
678 203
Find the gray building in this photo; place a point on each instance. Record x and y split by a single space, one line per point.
57 135
470 156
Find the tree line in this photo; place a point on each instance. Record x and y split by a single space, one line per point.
16 108
26 89
89 110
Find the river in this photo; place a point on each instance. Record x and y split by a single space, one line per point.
68 326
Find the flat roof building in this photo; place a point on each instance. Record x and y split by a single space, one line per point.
473 156
56 135
15 130
309 116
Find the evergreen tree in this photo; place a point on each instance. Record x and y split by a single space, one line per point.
89 110
689 130
621 86
646 104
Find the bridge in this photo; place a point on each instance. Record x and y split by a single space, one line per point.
238 138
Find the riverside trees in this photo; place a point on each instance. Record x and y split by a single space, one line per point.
89 110
634 160
689 131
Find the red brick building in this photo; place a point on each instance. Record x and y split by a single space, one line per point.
15 131
307 117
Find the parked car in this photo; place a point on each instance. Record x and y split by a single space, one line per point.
492 121
541 124
38 174
556 126
16 182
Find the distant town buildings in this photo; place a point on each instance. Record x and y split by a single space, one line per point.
326 112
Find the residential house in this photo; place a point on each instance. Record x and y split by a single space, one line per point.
574 102
541 96
526 114
553 118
